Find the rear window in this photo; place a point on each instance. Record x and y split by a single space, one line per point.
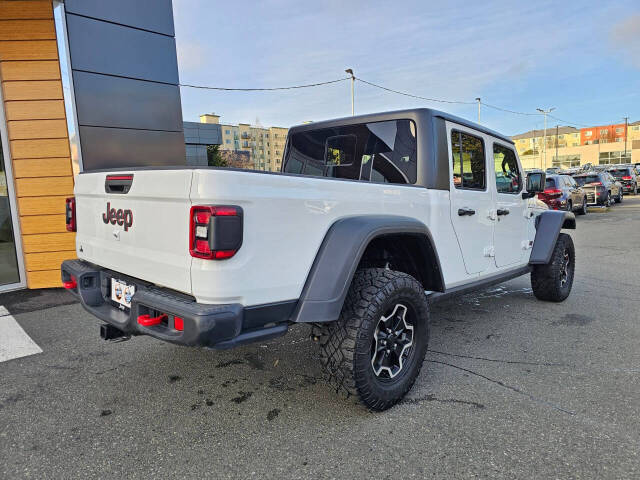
382 152
619 172
550 183
586 179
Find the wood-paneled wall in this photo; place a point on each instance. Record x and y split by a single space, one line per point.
38 139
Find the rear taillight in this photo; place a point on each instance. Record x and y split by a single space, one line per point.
215 232
552 192
71 214
627 177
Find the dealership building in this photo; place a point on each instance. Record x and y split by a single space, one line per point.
86 84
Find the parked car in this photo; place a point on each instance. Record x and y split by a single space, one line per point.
367 214
600 187
628 177
563 193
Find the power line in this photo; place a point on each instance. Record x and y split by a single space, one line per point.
509 111
226 89
568 122
412 95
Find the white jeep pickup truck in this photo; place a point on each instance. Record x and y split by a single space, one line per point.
372 218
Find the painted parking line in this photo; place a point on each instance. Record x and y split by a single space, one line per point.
14 341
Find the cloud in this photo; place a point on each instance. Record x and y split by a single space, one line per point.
626 35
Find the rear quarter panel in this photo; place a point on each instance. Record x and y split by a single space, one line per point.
285 221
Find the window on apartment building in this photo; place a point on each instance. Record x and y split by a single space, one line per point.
619 139
566 161
227 132
227 141
635 128
619 130
604 131
588 133
378 151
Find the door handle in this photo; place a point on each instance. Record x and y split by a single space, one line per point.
503 211
466 211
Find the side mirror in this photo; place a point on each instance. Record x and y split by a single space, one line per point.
535 184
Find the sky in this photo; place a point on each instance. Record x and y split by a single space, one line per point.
581 57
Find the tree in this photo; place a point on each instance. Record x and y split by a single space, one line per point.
214 158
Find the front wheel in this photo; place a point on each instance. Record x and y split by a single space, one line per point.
553 282
607 202
569 206
620 196
376 348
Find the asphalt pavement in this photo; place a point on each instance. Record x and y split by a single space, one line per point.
511 388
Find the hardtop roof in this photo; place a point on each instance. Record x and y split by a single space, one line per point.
393 115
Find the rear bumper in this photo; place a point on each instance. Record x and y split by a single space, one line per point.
213 326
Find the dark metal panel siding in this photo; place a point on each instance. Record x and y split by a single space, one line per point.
107 101
153 15
102 47
116 147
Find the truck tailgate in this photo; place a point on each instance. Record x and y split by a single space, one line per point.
142 232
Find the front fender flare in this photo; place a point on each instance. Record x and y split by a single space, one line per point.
548 226
338 257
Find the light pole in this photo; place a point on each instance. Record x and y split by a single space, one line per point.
478 100
544 139
353 81
626 126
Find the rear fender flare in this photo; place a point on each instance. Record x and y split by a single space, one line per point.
338 257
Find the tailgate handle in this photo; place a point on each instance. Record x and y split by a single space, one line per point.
118 183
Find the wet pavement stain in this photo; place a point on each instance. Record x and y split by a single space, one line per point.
243 396
254 362
174 378
574 319
273 414
105 413
235 361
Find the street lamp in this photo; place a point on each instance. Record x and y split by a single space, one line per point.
544 139
353 81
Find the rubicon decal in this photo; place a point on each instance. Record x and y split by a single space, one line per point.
120 216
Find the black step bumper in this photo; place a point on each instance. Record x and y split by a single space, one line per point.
213 326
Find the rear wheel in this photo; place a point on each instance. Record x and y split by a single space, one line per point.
620 196
569 206
607 202
376 349
583 208
553 282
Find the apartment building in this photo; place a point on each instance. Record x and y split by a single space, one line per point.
264 145
568 147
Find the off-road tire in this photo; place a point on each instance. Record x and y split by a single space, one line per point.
546 280
346 344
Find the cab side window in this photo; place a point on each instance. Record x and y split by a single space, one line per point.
508 177
468 161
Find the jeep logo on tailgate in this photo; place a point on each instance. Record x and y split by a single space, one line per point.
120 216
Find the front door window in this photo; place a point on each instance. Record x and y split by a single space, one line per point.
9 272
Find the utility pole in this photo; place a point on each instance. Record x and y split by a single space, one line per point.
545 113
556 145
353 81
478 100
626 126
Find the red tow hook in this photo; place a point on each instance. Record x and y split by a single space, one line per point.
147 321
70 284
